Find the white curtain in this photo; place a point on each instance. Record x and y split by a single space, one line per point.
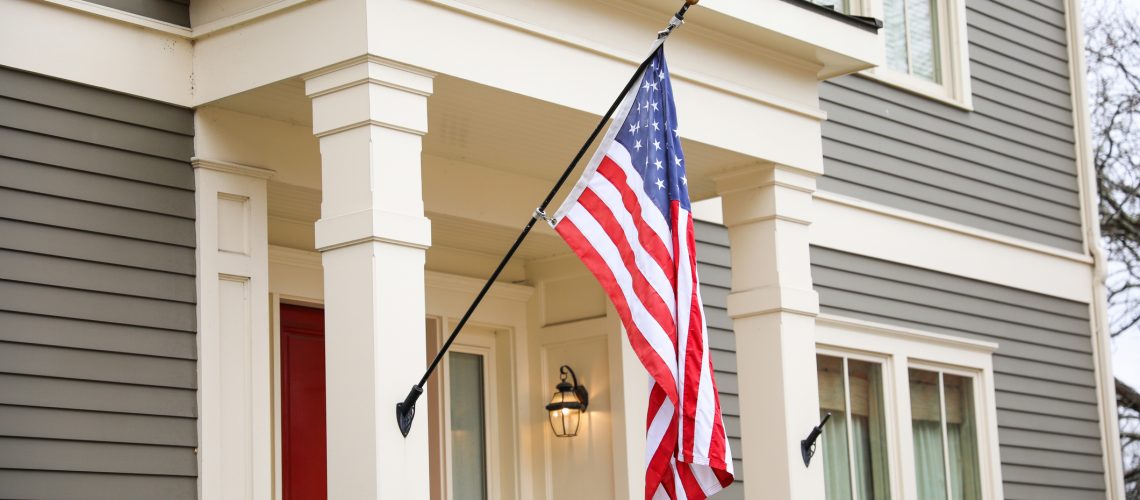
928 464
837 476
965 478
872 478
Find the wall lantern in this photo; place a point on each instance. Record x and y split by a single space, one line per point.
567 404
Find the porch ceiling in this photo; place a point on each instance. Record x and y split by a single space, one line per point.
477 125
490 127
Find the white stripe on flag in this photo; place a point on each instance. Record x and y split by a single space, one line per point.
645 323
644 262
649 212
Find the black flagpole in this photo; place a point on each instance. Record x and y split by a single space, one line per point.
406 409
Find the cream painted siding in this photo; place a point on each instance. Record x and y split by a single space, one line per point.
97 292
1008 166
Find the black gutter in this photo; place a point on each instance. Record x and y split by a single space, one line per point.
869 24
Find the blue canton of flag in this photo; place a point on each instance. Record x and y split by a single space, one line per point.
650 135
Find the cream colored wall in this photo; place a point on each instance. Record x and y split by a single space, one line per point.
573 325
289 149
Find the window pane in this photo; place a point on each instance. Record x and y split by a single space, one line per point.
468 432
926 422
894 27
961 434
833 441
868 430
922 38
836 5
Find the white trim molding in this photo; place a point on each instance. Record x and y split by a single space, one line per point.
235 387
865 228
843 223
953 56
1101 338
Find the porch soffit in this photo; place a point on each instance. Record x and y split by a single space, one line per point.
489 127
477 127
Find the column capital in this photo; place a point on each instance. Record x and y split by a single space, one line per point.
368 69
766 192
369 91
372 225
764 175
772 299
230 167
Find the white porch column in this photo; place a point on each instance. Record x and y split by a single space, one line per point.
767 210
235 451
370 116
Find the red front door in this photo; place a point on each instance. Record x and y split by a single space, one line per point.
303 403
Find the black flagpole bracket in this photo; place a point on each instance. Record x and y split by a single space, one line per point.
807 446
406 409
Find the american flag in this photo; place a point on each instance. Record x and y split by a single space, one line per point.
628 218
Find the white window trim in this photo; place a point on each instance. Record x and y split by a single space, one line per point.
899 349
481 343
953 54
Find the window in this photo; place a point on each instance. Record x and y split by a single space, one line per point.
911 31
855 451
470 421
836 5
468 429
945 441
912 413
924 46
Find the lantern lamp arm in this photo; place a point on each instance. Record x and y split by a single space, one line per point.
581 392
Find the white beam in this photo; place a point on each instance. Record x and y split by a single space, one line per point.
864 228
91 48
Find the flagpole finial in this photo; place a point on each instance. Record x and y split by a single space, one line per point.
692 2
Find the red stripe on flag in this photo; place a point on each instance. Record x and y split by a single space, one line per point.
653 302
658 472
597 265
646 235
693 490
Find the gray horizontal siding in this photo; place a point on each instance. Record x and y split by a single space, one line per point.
171 11
98 367
1048 423
1008 166
714 268
1049 431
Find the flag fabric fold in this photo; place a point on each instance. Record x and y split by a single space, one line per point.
629 219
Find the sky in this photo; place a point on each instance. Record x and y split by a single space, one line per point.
1126 347
1126 358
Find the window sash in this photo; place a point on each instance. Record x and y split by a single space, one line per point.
855 442
949 410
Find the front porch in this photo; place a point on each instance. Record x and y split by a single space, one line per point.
384 193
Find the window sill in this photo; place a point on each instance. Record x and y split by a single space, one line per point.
938 92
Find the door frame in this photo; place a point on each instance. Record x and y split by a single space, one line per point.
295 277
482 341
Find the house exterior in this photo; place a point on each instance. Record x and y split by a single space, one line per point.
235 231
